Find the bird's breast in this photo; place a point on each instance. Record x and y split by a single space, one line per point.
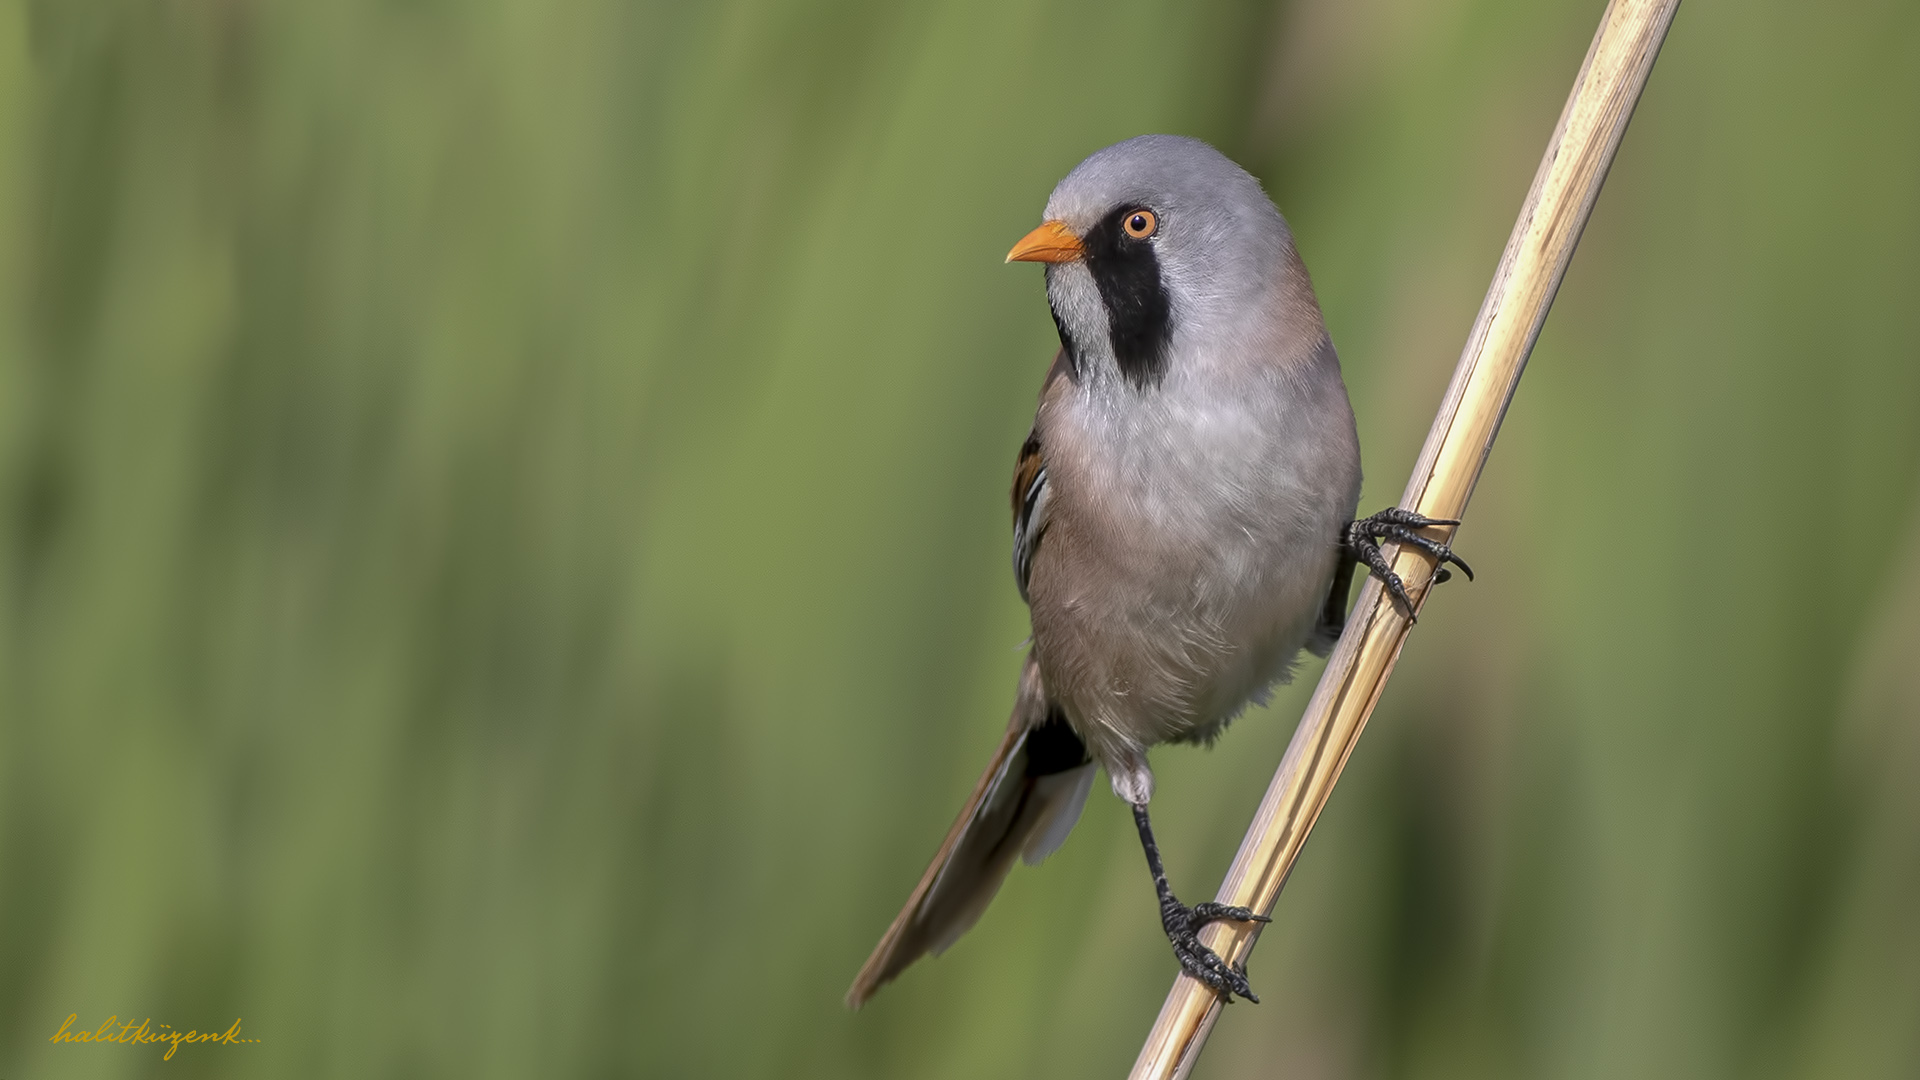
1192 537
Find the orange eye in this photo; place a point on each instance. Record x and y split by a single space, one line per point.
1140 224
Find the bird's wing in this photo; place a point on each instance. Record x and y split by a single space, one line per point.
1025 803
1029 508
1030 487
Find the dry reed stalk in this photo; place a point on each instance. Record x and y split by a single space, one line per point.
1529 273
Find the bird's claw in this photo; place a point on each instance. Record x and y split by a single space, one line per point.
1183 925
1200 915
1393 524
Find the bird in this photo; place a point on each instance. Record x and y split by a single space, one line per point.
1183 520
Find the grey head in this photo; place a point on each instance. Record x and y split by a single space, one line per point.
1160 248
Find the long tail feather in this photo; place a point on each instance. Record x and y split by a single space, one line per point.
1025 803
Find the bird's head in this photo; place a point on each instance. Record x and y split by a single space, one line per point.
1157 248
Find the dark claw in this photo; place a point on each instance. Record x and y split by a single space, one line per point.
1442 553
1398 525
1183 923
1211 912
1361 545
1394 515
1205 965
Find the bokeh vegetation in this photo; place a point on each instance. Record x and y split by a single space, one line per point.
502 515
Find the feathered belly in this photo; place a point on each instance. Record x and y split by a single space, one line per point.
1155 622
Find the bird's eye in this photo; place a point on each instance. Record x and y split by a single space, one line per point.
1141 223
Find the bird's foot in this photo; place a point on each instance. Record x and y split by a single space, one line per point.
1396 525
1183 925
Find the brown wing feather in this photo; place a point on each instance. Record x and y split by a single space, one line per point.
1030 488
1027 467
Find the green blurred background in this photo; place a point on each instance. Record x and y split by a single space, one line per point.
504 540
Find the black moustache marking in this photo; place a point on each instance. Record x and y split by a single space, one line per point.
1139 316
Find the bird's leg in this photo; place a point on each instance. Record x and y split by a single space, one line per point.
1363 544
1183 924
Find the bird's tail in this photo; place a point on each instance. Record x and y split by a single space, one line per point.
1024 804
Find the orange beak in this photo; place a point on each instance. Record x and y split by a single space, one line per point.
1050 243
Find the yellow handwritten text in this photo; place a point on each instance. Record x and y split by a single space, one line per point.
145 1031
